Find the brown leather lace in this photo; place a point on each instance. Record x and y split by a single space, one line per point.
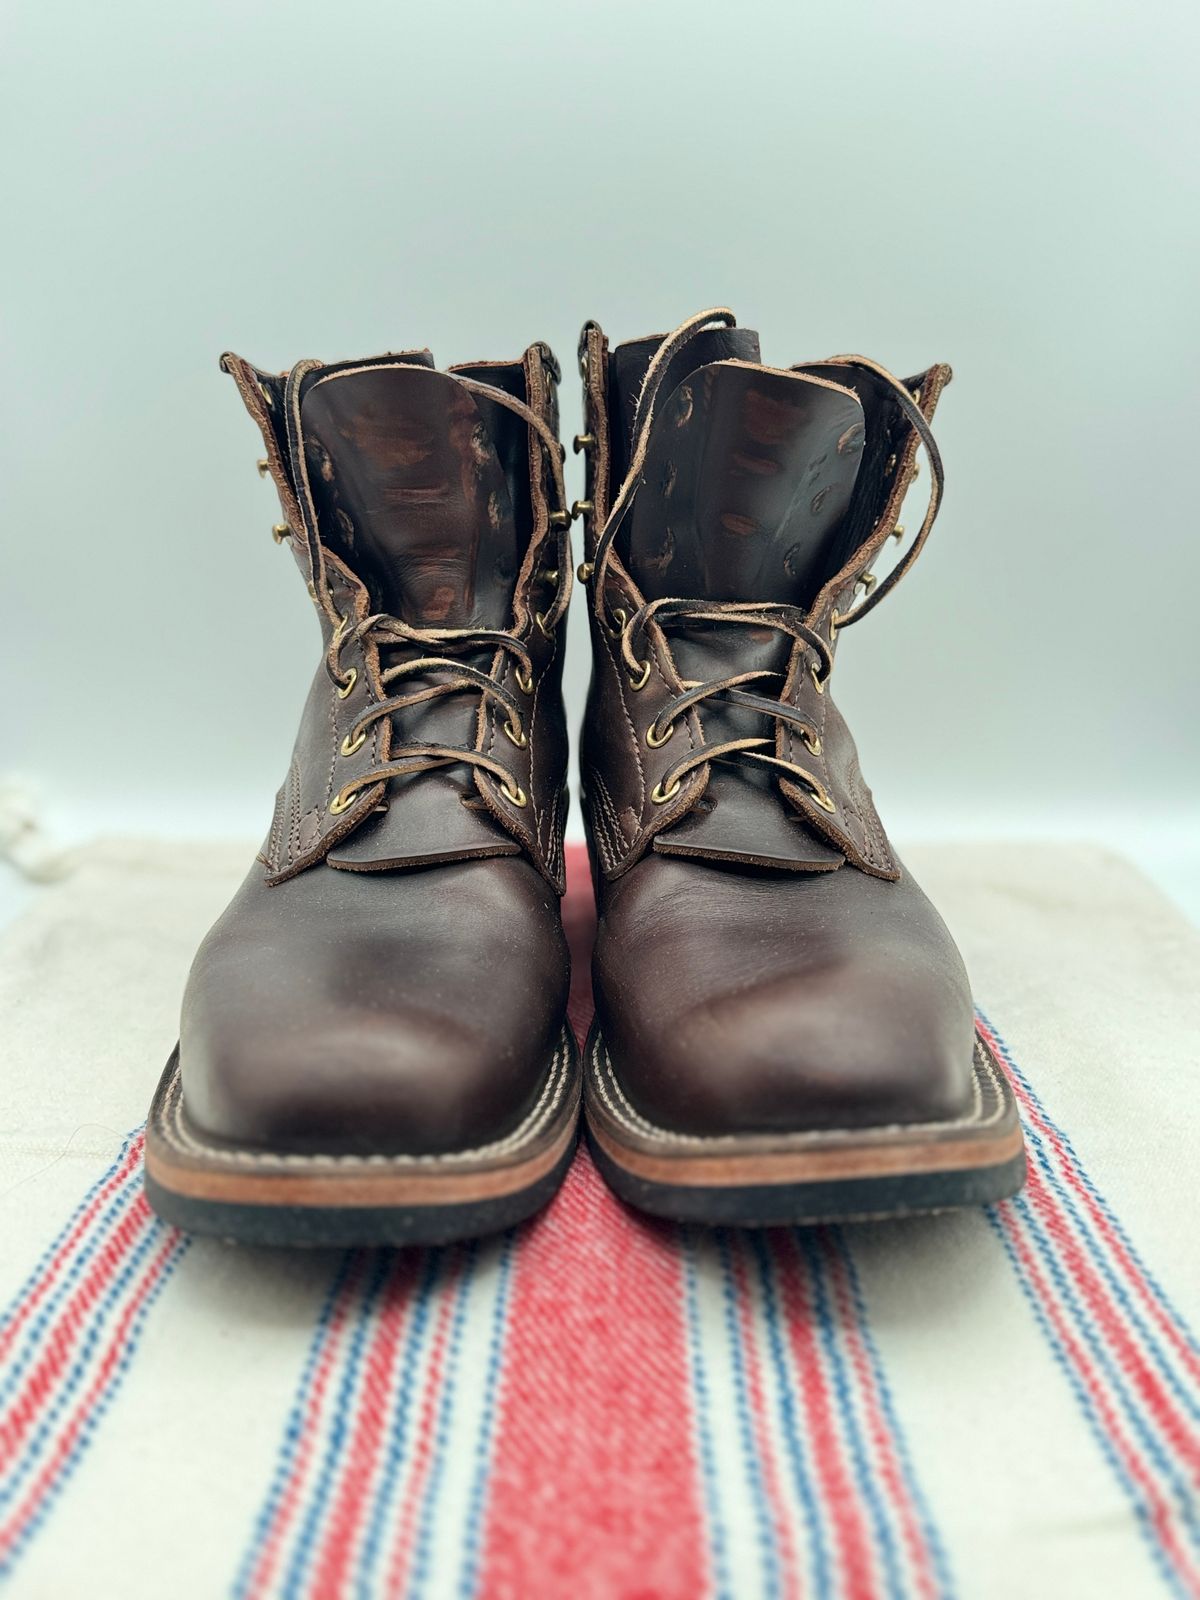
732 689
817 656
440 650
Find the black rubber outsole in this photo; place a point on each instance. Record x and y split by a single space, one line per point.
801 1204
317 1227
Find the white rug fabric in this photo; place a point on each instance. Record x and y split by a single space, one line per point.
980 1404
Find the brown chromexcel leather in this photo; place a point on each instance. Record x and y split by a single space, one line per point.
764 964
392 976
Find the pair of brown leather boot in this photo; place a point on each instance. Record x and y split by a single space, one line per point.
374 1045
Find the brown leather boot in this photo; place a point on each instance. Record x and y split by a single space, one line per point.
784 1029
373 1043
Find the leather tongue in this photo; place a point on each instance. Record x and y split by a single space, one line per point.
749 475
409 489
630 362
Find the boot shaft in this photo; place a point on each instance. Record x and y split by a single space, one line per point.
424 509
735 511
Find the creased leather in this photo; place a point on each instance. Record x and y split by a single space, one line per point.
750 476
418 498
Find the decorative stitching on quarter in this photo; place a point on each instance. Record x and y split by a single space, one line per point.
878 852
170 1125
622 1111
601 831
599 825
633 738
294 830
539 813
610 807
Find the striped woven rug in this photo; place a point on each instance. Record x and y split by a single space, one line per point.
596 1405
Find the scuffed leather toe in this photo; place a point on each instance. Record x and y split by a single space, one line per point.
736 1003
326 1015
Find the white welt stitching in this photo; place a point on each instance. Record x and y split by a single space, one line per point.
621 1109
171 1126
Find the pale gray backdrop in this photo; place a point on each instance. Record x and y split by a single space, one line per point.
1012 188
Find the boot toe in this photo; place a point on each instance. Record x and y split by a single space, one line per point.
798 1054
374 1025
821 1006
395 1083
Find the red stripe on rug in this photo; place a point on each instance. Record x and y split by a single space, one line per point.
1159 1508
309 1431
353 1500
114 1354
595 1483
38 1291
40 1384
1175 1428
879 1429
751 1327
424 1443
831 1469
1069 1171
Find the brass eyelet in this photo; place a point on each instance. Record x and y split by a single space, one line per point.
640 683
835 622
524 684
343 802
548 575
582 508
540 618
916 394
344 689
812 742
898 531
350 746
583 441
619 617
866 581
584 571
516 796
656 744
263 465
660 796
280 531
516 733
820 797
818 681
560 519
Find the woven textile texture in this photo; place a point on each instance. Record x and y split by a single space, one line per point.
997 1403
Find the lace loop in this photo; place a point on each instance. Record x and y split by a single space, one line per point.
731 689
384 630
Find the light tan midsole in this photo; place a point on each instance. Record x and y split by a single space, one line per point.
330 1185
730 1170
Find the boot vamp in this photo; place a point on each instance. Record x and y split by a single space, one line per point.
352 1013
739 1002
